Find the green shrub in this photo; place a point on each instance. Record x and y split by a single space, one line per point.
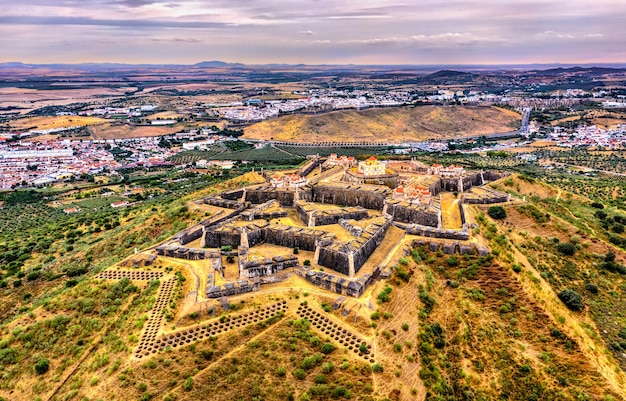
377 368
310 361
384 296
571 299
34 275
341 391
452 261
566 248
281 371
363 348
206 354
327 348
496 212
188 384
403 274
42 366
592 288
321 379
328 367
405 326
299 374
8 356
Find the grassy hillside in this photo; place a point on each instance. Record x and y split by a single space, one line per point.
443 327
390 125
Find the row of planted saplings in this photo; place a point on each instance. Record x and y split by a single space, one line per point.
130 274
156 317
206 330
337 333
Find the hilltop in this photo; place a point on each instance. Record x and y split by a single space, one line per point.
391 125
442 326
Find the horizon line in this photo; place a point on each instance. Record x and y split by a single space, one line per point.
227 63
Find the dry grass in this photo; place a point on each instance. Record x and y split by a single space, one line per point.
41 123
450 213
608 122
565 120
108 131
386 125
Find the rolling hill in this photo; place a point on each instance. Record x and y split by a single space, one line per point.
390 125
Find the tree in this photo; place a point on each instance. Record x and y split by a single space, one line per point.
496 212
571 299
42 366
566 248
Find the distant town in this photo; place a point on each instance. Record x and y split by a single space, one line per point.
554 108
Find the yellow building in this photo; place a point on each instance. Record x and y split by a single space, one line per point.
371 167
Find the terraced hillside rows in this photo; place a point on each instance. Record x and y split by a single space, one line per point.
203 331
337 333
130 274
149 334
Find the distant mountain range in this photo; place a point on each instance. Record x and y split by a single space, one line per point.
440 71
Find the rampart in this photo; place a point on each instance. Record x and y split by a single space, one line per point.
266 193
404 212
263 267
281 235
228 289
224 203
235 194
312 216
344 194
433 232
488 196
259 212
447 247
182 252
310 166
329 281
348 258
225 235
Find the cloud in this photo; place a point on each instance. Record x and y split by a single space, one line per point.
121 23
555 35
371 31
440 38
177 40
136 3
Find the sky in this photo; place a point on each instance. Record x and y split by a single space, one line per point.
313 31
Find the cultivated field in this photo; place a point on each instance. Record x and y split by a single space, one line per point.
387 125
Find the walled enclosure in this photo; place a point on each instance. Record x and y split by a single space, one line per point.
257 203
312 216
404 212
